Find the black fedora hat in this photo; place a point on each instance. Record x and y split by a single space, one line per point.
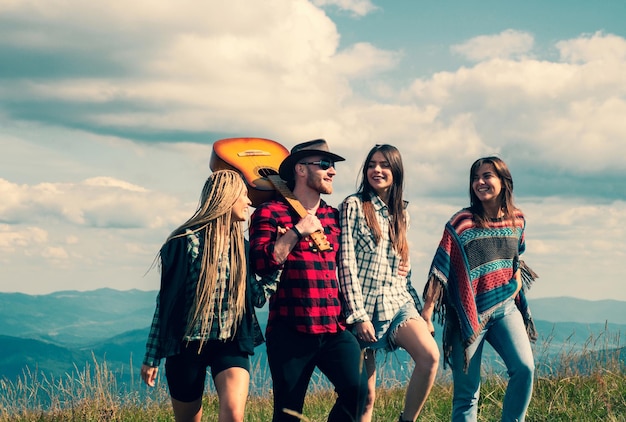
305 149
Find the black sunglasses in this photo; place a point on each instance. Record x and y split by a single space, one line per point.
324 164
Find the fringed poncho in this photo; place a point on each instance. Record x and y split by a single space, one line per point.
473 273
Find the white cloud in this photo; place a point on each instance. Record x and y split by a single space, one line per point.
505 45
55 253
363 59
582 235
357 7
86 180
13 240
557 114
262 81
597 47
96 202
210 70
108 182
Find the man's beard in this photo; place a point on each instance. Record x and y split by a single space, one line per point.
319 185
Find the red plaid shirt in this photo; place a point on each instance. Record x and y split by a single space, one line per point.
307 297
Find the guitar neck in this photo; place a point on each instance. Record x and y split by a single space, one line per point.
282 188
319 238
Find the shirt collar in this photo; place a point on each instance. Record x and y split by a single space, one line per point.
378 203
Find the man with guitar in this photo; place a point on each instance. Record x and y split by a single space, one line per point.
305 328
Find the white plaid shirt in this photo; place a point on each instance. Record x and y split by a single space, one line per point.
368 273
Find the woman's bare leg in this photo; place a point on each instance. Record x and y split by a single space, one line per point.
187 411
370 367
415 338
232 391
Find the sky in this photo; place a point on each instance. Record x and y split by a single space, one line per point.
109 109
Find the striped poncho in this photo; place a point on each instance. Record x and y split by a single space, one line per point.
473 273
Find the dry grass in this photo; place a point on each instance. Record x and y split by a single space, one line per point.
578 384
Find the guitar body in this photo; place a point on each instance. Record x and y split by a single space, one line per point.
254 159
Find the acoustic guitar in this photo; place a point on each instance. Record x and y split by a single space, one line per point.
254 159
258 160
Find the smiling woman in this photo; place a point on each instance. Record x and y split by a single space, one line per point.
381 304
477 284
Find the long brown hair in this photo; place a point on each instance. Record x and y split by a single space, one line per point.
506 195
223 245
398 226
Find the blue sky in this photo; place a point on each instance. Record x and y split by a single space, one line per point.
108 111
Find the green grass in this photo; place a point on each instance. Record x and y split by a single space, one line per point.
582 386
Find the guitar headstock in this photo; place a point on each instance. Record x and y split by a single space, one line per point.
320 242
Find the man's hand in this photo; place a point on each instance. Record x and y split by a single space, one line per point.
309 224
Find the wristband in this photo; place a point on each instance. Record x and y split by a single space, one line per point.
297 232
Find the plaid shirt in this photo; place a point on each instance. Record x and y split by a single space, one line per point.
368 272
307 296
222 325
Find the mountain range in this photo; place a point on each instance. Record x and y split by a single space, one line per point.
60 333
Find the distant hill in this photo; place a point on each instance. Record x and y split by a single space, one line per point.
60 333
75 318
83 318
567 309
124 349
20 356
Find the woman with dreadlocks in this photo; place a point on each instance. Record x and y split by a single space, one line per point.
477 286
205 307
381 303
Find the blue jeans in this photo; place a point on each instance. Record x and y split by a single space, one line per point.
292 358
506 333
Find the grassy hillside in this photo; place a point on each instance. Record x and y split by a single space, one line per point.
82 360
599 396
582 385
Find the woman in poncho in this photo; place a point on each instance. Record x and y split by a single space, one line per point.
476 285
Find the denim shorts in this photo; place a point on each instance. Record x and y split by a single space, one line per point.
386 330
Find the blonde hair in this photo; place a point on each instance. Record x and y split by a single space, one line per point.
223 244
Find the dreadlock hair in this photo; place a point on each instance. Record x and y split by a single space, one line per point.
506 195
223 244
398 226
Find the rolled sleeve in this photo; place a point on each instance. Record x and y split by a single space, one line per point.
263 230
349 281
152 356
